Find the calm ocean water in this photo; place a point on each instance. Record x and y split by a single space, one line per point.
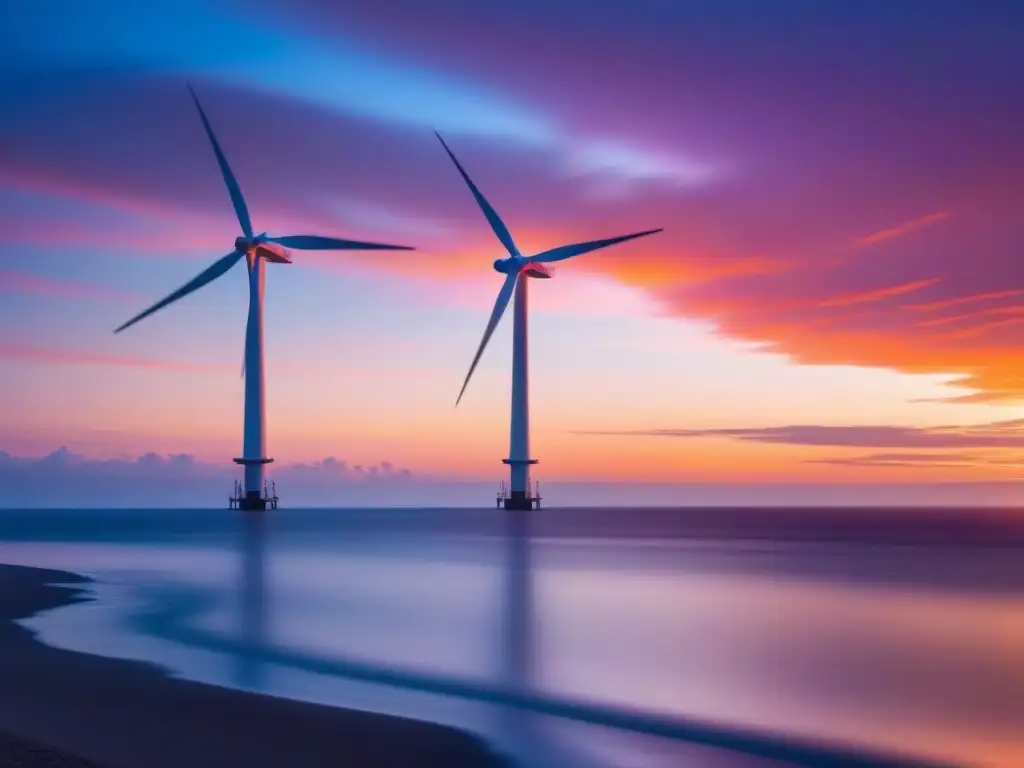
827 625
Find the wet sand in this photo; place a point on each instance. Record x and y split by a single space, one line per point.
64 709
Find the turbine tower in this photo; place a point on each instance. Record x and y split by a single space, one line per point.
517 268
256 250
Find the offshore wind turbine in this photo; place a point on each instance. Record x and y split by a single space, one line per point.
256 250
517 269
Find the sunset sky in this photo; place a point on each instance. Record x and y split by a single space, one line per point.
836 297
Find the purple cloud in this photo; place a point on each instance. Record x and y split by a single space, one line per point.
64 478
874 179
137 144
871 163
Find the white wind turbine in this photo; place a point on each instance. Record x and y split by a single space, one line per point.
255 249
517 268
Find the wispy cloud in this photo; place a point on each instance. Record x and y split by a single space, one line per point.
733 146
949 319
980 328
32 354
631 164
903 229
877 294
141 244
941 460
332 68
1000 434
26 283
25 353
959 300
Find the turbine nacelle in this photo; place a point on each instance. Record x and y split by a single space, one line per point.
534 269
274 253
261 247
519 264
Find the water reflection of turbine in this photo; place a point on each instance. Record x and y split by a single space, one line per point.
518 601
521 730
167 620
253 600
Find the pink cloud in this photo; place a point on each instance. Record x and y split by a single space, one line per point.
25 283
984 327
32 354
863 297
50 356
116 239
902 229
764 253
976 315
959 300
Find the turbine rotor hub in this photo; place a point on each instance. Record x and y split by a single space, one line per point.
243 244
505 266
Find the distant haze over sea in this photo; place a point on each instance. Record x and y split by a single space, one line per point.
64 479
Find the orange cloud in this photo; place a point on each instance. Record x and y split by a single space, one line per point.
998 374
828 310
654 266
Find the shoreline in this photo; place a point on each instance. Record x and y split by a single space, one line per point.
66 709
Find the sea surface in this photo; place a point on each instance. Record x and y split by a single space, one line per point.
576 638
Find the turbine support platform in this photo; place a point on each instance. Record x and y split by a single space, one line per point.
519 500
252 499
514 498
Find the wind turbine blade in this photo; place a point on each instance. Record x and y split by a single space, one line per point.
568 251
492 216
318 243
229 178
504 295
209 274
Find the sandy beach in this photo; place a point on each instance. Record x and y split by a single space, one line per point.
72 710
